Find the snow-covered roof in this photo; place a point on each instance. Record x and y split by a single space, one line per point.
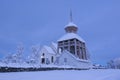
49 49
76 58
54 44
71 24
71 36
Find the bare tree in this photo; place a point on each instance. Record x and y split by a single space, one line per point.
35 57
19 55
7 59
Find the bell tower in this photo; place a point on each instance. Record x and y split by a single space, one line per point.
72 42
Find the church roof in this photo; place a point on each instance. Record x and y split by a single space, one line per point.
49 49
71 36
54 44
70 54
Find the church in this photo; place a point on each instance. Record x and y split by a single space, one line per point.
70 49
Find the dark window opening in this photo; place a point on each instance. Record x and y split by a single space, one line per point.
52 59
43 58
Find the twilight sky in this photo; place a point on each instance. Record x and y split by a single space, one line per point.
39 22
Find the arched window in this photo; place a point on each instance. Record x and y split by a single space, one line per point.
43 54
43 58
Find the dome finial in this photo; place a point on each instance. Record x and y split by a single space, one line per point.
71 19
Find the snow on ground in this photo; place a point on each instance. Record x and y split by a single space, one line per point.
99 74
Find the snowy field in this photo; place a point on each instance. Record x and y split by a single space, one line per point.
106 74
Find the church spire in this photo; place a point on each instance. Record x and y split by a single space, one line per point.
71 27
71 18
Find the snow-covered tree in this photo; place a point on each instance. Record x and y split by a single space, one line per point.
20 50
115 64
7 59
34 58
16 57
110 64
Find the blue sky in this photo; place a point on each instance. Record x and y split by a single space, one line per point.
39 22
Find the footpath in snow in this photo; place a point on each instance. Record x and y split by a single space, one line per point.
98 74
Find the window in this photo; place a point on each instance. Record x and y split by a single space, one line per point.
43 58
65 60
52 59
72 49
66 48
47 61
43 54
43 61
